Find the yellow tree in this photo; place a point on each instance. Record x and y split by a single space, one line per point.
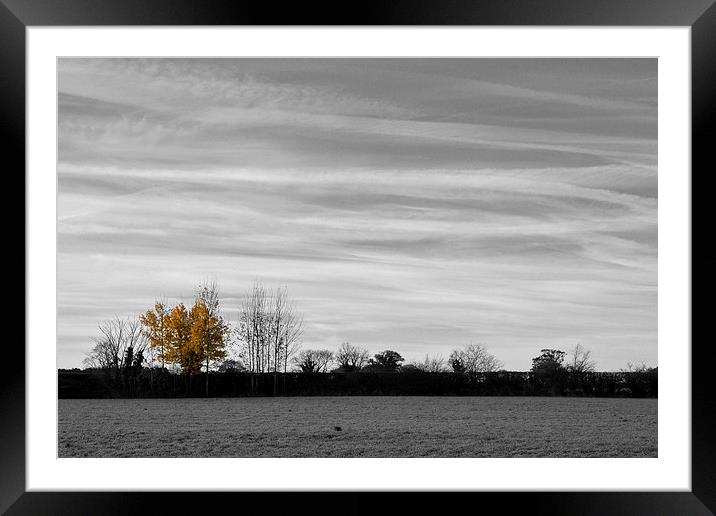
209 332
180 347
155 329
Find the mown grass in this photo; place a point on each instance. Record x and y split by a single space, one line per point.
369 427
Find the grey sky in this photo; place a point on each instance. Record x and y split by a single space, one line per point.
410 204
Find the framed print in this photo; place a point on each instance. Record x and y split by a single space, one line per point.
422 248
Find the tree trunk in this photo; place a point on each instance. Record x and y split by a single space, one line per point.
207 377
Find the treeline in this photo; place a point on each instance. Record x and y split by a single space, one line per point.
161 383
162 351
194 339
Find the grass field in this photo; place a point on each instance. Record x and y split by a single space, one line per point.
359 427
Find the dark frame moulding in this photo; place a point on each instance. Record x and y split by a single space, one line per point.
700 15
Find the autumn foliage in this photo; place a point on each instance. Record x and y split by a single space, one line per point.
155 326
189 338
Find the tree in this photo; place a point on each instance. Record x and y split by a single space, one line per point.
581 361
179 345
119 345
252 324
350 357
636 368
155 329
269 330
474 359
231 365
209 332
549 362
388 360
138 360
456 362
639 380
190 338
314 360
548 369
429 365
287 329
411 367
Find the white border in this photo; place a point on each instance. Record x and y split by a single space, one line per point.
671 470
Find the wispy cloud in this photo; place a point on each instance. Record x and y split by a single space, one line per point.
411 204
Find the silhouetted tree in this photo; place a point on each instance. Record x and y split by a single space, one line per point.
350 357
119 341
632 368
579 366
138 361
638 380
231 365
388 360
473 359
548 369
314 360
456 363
411 367
128 358
548 362
434 364
581 361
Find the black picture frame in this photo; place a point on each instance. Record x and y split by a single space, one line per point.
700 15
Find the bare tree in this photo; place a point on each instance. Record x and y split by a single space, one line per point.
252 326
285 331
208 294
350 357
636 368
324 358
314 360
434 364
474 359
121 344
581 361
288 327
212 331
270 330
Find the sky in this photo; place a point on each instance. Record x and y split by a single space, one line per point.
419 205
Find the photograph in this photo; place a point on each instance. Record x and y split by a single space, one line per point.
351 257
